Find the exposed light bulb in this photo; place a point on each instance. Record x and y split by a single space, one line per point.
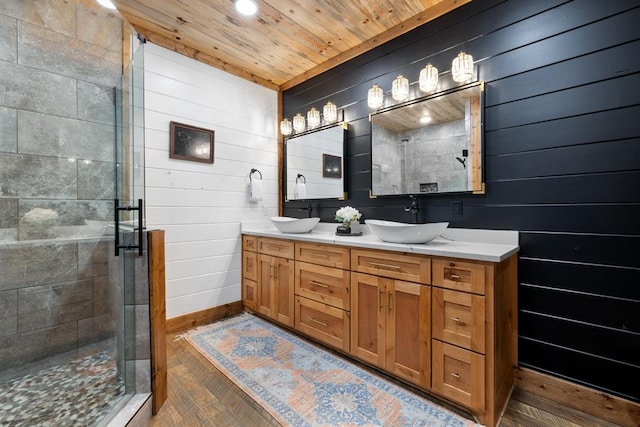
246 7
330 112
375 96
313 118
298 122
462 67
400 88
285 127
428 78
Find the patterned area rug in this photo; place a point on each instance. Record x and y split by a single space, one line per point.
302 385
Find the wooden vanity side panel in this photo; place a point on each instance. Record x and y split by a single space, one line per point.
327 255
401 266
502 353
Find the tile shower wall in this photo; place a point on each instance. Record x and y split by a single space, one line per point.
59 63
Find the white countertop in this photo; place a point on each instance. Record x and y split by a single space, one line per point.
480 245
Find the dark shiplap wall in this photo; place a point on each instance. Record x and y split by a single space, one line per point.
562 164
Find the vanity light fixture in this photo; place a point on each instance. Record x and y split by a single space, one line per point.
462 67
313 118
330 112
298 122
375 96
246 7
285 127
428 78
400 88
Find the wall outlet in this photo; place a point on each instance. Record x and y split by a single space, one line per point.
456 207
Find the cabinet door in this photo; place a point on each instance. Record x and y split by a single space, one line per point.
265 300
249 293
250 265
408 327
283 275
367 318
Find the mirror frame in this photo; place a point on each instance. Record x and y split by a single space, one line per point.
476 145
345 127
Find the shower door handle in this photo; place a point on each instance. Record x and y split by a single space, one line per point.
116 210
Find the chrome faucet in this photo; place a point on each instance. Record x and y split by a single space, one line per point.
309 209
413 208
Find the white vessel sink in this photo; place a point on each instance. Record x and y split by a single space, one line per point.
399 232
294 225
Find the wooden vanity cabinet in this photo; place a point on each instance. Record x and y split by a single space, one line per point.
390 326
446 325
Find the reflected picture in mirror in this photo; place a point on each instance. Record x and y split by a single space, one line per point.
318 157
431 145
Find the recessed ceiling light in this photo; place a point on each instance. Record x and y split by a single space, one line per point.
246 7
107 4
425 119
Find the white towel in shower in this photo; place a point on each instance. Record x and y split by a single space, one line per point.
301 190
255 190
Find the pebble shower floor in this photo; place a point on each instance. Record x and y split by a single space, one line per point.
77 393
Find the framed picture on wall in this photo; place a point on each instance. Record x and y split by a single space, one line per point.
190 143
331 166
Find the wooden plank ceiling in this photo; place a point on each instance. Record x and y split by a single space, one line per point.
287 41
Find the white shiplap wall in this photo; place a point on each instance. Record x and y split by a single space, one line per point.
201 205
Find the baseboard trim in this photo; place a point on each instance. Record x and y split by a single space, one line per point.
593 402
202 317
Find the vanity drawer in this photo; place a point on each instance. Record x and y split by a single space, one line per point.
326 324
458 375
460 275
322 284
275 247
412 268
458 318
250 265
250 243
328 255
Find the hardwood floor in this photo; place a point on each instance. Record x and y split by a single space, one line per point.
200 395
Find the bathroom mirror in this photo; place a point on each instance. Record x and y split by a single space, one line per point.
314 164
430 145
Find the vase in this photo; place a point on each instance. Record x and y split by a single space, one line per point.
344 228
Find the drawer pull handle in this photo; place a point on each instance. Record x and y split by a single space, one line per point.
326 325
322 285
456 319
323 256
454 276
380 299
387 266
452 264
455 375
275 248
389 301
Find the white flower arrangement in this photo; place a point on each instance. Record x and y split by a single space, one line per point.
347 214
